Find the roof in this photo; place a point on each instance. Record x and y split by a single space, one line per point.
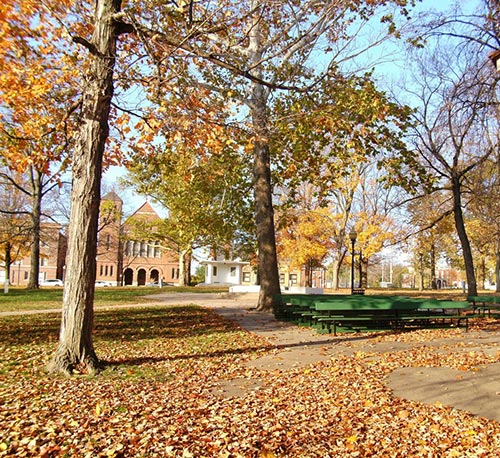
225 263
112 196
145 211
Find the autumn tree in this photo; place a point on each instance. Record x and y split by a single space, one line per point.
328 141
35 186
455 131
15 228
483 212
200 175
306 241
431 231
247 52
34 133
75 339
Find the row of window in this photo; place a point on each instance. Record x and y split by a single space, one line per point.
246 277
143 249
106 271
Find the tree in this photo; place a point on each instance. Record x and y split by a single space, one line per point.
14 228
246 51
75 338
34 134
200 176
307 241
484 211
35 185
453 135
431 232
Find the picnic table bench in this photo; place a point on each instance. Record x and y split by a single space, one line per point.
389 312
483 303
329 312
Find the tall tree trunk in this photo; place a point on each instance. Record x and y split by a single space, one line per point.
483 271
433 266
363 271
464 239
187 267
7 264
264 216
335 274
264 213
75 338
184 261
36 213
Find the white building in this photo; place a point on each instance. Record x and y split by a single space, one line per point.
223 272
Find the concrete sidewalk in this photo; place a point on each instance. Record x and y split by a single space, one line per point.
477 392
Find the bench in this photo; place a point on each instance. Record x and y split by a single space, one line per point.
484 303
392 312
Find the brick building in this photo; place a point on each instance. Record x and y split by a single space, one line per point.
122 258
126 259
52 257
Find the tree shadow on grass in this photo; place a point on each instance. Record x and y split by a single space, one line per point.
144 360
119 324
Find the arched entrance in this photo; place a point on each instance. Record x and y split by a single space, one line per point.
141 277
128 277
154 276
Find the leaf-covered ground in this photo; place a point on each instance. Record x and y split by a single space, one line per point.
158 396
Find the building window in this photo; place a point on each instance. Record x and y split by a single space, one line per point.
43 262
157 250
101 270
110 271
214 271
232 271
246 277
144 249
293 279
108 241
25 274
106 271
282 279
136 248
128 248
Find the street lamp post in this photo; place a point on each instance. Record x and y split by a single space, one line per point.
353 235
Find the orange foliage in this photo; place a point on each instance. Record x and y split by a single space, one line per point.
37 84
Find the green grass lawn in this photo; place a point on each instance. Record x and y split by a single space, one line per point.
18 299
160 393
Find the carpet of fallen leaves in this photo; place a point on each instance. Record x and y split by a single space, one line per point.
158 396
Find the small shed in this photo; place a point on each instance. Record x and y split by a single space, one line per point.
223 271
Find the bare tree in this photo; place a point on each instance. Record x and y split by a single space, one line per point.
455 132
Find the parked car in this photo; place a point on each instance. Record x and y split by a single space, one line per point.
102 283
53 282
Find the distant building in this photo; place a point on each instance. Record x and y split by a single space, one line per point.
122 258
126 259
52 257
235 272
224 272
